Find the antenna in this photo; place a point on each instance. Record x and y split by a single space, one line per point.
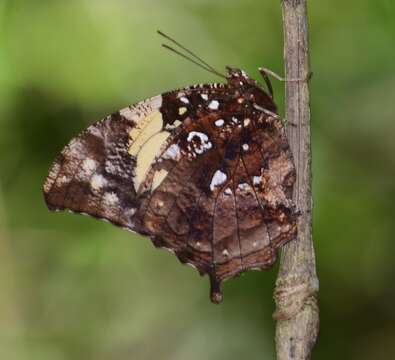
193 58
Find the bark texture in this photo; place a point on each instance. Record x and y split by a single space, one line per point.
296 289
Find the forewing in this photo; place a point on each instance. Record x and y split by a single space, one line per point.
101 171
94 173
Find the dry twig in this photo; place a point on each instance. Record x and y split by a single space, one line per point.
297 283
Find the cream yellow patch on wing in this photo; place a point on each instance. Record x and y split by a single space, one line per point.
175 124
159 176
144 130
182 110
146 156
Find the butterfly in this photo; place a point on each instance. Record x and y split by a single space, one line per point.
205 171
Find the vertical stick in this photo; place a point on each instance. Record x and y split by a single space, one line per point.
297 283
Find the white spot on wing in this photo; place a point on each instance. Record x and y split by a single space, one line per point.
111 198
218 179
98 181
89 165
204 96
173 152
219 122
228 191
204 144
202 148
245 147
203 137
214 105
256 180
184 100
243 186
247 121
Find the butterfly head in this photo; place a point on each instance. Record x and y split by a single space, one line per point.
250 88
239 78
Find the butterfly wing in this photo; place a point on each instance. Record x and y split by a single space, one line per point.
200 173
100 171
94 173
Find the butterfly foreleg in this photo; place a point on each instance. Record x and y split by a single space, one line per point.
266 72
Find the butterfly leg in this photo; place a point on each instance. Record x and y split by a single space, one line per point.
266 72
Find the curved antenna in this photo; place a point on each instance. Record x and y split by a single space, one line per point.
193 61
200 62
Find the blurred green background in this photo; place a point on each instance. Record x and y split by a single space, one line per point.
75 288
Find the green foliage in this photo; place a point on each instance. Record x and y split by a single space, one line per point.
75 288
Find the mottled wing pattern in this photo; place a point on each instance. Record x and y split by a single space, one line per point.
202 171
95 173
225 205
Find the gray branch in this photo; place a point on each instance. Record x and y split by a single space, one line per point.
296 289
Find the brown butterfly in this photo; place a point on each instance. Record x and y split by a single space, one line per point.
205 171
